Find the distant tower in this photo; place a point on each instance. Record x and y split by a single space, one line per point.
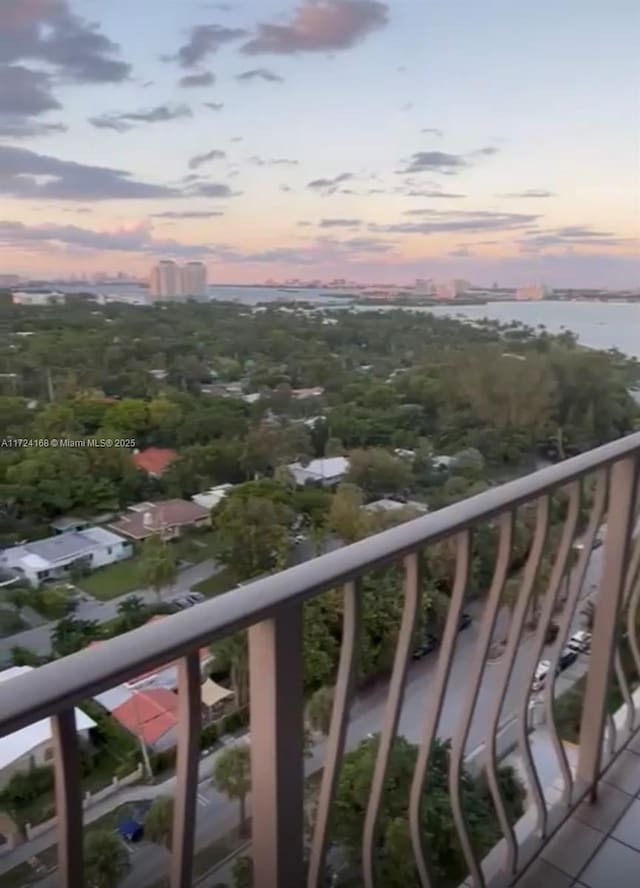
165 280
194 280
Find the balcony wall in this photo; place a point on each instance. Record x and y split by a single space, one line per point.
486 715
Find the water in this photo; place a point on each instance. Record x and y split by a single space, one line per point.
600 325
222 293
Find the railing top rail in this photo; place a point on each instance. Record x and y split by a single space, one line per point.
66 682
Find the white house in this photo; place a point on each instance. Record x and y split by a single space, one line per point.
31 746
211 498
55 557
328 471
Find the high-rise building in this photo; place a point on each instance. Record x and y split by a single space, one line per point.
446 291
165 280
194 279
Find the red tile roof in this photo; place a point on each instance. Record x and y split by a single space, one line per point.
148 714
163 515
154 460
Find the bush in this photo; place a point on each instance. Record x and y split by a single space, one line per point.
235 721
208 736
53 602
22 656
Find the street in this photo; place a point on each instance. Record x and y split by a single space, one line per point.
38 640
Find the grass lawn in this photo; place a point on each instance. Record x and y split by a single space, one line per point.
113 580
216 584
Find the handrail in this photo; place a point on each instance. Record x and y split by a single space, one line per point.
64 683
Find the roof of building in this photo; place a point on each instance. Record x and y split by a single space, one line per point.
20 743
68 522
209 499
149 518
148 714
102 537
211 693
320 469
154 460
62 547
390 505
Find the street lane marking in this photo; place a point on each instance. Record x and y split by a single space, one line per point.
202 800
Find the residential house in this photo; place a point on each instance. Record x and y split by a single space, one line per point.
56 556
32 746
327 472
301 394
147 705
167 518
154 460
211 498
390 505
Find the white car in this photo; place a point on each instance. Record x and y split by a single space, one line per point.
542 670
580 642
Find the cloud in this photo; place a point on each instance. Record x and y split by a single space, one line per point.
432 131
48 31
530 192
444 221
213 189
27 174
276 161
205 40
25 95
434 194
320 26
188 214
445 163
259 74
460 252
123 122
137 238
214 106
569 236
340 223
199 159
191 81
329 186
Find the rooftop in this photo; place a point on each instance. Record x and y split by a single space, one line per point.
154 460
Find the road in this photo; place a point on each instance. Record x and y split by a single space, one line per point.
38 640
216 816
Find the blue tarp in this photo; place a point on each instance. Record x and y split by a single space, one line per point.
130 829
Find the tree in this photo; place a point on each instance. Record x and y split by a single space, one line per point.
158 823
377 472
346 516
18 596
231 655
106 860
242 872
394 858
589 614
70 635
232 776
320 710
253 534
158 568
132 612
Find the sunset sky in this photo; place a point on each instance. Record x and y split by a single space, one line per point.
491 140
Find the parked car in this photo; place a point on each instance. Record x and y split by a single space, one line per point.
567 657
300 538
465 621
580 642
429 644
182 602
194 597
542 670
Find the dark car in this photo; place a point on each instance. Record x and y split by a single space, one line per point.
567 657
465 622
429 644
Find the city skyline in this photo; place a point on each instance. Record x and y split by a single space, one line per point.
322 139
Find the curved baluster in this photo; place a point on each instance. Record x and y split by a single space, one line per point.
460 736
564 552
339 721
392 714
434 707
506 669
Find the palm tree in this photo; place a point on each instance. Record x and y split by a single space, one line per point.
158 567
106 860
232 654
232 776
132 612
589 614
158 823
320 709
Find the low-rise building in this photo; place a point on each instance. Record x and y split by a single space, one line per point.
167 518
211 498
390 505
316 391
57 556
154 460
32 746
327 472
37 297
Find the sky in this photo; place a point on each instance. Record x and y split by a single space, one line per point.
376 141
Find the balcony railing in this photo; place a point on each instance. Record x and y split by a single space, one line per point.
598 486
